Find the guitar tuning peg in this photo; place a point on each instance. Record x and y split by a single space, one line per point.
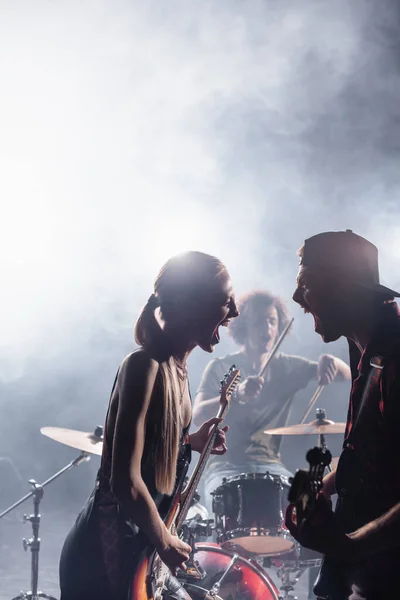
315 456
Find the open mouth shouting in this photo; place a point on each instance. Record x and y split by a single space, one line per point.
216 337
317 322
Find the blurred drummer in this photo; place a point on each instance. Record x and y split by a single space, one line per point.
258 403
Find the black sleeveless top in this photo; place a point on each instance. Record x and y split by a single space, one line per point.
104 547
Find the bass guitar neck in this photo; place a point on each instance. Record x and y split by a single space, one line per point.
151 577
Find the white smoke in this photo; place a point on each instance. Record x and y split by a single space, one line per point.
134 130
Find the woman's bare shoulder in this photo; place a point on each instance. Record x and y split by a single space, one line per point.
139 359
138 365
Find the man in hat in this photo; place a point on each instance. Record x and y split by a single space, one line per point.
258 402
338 283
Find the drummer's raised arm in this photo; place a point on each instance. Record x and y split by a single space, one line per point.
331 368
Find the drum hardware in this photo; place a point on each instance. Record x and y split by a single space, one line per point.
88 444
192 530
199 593
321 416
196 528
288 583
289 569
34 542
217 585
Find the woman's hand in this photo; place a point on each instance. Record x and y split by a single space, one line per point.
199 439
174 553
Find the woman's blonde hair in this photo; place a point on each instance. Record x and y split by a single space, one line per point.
182 280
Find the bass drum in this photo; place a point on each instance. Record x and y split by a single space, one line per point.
239 579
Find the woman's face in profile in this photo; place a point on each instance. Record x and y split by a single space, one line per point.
213 311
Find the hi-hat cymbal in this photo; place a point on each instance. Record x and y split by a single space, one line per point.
92 443
317 427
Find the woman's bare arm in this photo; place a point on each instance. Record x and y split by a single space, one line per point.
204 408
136 381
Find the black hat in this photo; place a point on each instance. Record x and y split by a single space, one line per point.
347 256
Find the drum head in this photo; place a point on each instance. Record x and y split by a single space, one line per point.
239 579
261 545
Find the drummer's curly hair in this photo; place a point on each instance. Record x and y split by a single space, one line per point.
255 301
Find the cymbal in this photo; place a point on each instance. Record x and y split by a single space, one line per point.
319 426
92 443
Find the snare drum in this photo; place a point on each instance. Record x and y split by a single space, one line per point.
227 577
249 514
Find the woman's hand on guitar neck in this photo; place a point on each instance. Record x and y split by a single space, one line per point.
199 439
174 553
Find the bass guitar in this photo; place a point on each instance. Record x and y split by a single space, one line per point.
303 492
149 581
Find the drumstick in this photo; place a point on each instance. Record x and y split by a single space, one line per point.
275 348
313 400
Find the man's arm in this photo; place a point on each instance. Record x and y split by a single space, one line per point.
329 487
378 535
330 368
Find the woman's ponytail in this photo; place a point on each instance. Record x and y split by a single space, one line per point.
147 329
148 334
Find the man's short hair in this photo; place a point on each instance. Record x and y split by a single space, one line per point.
254 302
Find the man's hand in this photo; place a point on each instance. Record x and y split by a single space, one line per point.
199 439
249 388
327 369
320 531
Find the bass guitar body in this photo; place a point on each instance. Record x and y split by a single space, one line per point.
303 492
151 574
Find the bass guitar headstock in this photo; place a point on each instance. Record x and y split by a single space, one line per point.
306 485
228 385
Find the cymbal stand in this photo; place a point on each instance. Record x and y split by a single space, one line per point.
289 582
321 416
33 543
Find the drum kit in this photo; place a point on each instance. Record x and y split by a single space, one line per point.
248 531
254 552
